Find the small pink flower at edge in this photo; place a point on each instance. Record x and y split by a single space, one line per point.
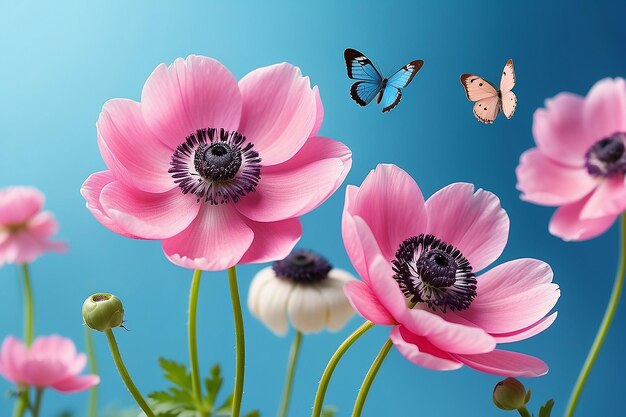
418 261
25 231
219 170
580 160
51 362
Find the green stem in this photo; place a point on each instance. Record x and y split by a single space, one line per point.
121 368
332 364
524 412
240 340
291 370
604 326
22 402
92 410
193 341
369 378
29 310
38 398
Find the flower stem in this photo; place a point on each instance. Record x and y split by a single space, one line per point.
37 405
240 342
291 370
92 410
369 379
332 364
22 402
604 326
29 310
193 341
524 412
121 368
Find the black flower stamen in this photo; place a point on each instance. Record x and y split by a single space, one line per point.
216 166
302 266
607 157
431 271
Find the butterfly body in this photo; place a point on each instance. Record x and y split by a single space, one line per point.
370 84
489 100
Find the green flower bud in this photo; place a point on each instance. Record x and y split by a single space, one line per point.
103 312
510 394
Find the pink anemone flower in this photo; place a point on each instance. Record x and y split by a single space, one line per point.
51 362
25 231
219 170
580 160
418 262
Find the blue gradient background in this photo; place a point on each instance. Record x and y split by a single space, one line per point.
62 60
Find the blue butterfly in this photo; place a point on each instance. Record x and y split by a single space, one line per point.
371 84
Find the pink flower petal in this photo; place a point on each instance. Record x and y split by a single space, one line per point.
542 181
12 357
217 239
272 241
25 247
530 331
43 225
505 363
147 215
366 304
319 114
42 372
605 109
391 204
559 132
299 185
444 334
193 93
567 223
18 204
512 296
471 221
76 383
131 151
279 111
608 199
54 346
421 352
91 191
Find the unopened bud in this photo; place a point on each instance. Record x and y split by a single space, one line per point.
103 312
510 394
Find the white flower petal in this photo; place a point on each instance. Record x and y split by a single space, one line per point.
307 309
272 306
256 288
339 309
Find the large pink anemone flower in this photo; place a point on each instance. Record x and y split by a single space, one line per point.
25 230
418 261
580 160
51 362
219 170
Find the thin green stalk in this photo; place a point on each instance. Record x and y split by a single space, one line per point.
121 368
291 370
22 402
193 341
604 326
240 342
524 412
369 379
92 410
332 364
38 398
29 309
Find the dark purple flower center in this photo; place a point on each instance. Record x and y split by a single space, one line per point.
216 165
302 266
431 271
607 157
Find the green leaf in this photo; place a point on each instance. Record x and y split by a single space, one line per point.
213 385
176 373
329 411
546 410
254 413
65 414
226 408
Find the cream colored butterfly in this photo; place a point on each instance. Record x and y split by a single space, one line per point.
490 101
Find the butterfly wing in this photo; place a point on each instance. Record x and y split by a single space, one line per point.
363 92
405 75
509 103
391 97
477 88
360 68
507 82
487 109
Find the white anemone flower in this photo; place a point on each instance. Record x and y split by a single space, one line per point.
303 289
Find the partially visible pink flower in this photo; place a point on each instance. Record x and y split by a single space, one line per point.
418 262
219 170
51 362
580 160
25 231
